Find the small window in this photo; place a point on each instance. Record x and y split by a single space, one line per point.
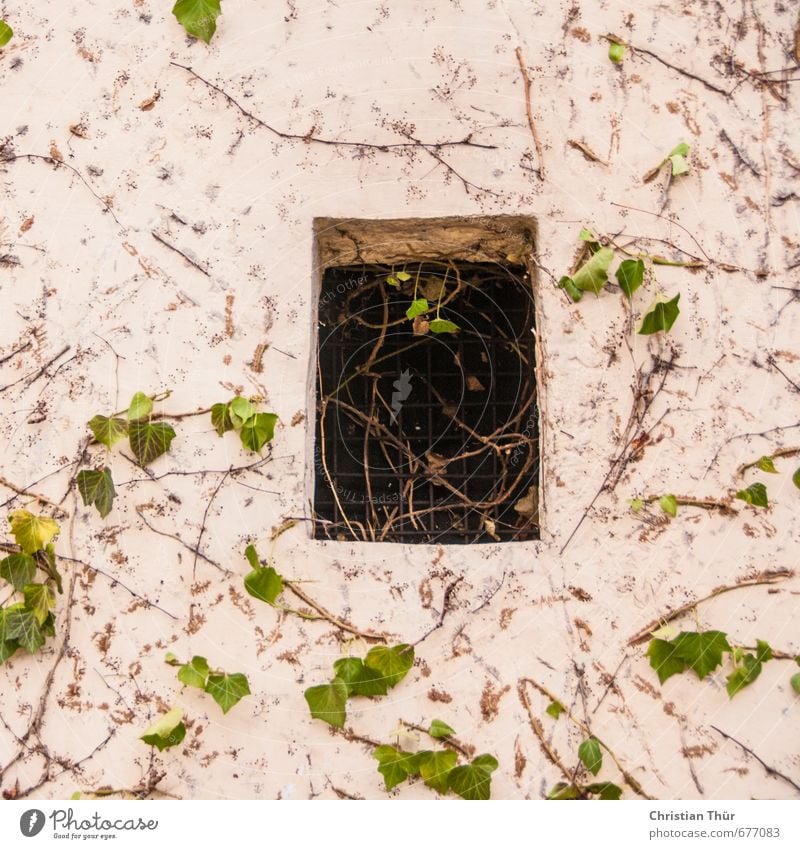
427 421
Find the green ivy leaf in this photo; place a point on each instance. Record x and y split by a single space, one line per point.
630 276
393 281
227 690
32 533
554 709
795 682
568 285
796 478
403 276
221 418
763 651
669 504
664 659
252 556
39 599
140 407
108 431
636 504
22 625
149 440
616 52
474 781
418 307
392 662
441 325
435 769
240 410
562 791
393 765
591 755
198 17
6 34
661 317
97 487
677 158
440 729
360 679
194 673
167 731
701 651
328 702
755 494
743 675
18 570
605 790
766 464
258 430
264 583
593 274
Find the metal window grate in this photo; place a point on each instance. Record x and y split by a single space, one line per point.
421 436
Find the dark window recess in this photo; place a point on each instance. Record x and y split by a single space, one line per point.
422 436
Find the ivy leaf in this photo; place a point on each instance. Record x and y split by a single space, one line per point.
22 625
669 504
677 157
593 274
39 599
392 662
394 765
167 731
140 407
441 325
562 791
796 478
636 504
605 790
221 418
18 570
440 729
97 487
630 276
755 494
616 52
258 430
393 281
766 464
50 556
264 583
5 36
328 702
240 410
743 675
591 755
661 317
360 679
474 781
664 659
763 651
568 285
149 440
108 431
227 690
32 533
554 709
701 651
435 769
418 307
252 556
794 681
198 17
9 647
403 276
194 673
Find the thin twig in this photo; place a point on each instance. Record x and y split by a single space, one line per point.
203 523
770 577
188 259
526 82
327 615
31 377
682 71
155 530
769 769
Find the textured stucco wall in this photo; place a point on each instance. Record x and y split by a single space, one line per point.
239 201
